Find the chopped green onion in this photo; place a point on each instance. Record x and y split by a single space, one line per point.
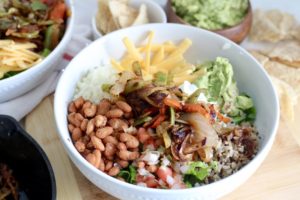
136 67
106 87
37 5
46 52
142 120
160 79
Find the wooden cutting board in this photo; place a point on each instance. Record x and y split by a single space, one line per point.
277 178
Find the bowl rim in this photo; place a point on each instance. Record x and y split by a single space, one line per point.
54 54
153 3
246 16
74 154
38 147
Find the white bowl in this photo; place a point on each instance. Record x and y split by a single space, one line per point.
155 12
23 82
251 78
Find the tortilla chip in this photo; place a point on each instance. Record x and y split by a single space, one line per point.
287 74
296 33
104 20
142 17
123 14
287 98
261 58
287 53
271 26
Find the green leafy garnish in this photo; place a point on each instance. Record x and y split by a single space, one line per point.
128 174
197 172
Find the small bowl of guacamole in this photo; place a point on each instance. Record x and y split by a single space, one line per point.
230 18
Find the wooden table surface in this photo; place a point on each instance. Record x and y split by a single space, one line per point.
277 178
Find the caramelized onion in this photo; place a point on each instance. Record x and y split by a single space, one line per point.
203 130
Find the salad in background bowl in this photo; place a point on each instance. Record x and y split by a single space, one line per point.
166 113
33 35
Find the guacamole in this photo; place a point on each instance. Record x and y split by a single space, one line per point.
220 86
211 14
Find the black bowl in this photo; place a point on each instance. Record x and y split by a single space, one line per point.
29 163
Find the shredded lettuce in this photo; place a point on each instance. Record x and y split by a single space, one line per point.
197 172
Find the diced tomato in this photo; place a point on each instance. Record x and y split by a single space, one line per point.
163 172
58 12
151 182
48 2
139 178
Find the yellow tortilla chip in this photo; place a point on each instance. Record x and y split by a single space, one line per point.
288 74
287 98
262 59
296 33
104 20
142 17
123 14
271 26
287 53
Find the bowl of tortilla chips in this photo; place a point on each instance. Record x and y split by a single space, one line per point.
113 15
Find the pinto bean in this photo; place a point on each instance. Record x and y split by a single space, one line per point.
72 107
100 121
108 165
118 124
78 102
80 146
114 171
111 139
72 119
110 149
103 107
83 124
97 143
97 154
128 155
131 141
123 163
114 113
71 127
90 126
91 158
76 134
102 165
121 146
104 132
124 106
91 111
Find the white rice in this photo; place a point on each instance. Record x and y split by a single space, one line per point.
90 84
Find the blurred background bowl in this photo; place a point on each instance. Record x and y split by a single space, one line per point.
23 82
236 33
30 165
155 13
206 46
